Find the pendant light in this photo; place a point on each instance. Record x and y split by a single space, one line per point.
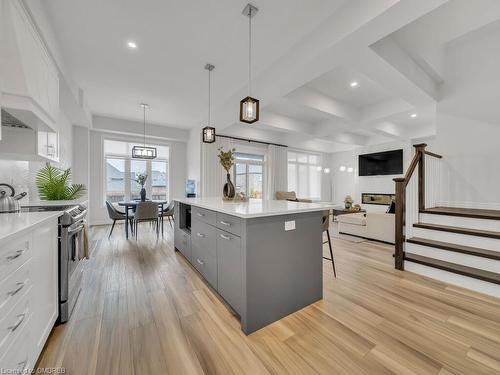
249 107
209 131
143 152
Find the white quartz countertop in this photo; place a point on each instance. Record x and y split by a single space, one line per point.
13 224
256 207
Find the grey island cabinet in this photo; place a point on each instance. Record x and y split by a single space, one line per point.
264 258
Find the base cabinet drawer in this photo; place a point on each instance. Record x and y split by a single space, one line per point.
203 236
19 359
229 273
207 266
229 223
13 254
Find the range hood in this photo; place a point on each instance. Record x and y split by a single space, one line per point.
30 79
10 121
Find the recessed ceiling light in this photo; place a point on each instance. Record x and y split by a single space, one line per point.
413 115
354 84
350 170
342 168
131 45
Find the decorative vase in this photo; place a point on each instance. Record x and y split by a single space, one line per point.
143 194
228 190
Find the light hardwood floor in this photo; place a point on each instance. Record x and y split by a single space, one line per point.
144 310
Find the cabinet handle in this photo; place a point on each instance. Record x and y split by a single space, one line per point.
16 255
21 366
225 223
199 214
17 290
200 235
200 262
225 237
18 323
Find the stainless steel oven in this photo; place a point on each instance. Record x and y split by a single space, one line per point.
71 254
71 260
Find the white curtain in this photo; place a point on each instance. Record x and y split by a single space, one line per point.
276 170
213 175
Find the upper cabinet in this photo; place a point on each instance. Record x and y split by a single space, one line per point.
30 88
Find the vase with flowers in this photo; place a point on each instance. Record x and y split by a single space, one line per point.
141 180
348 202
226 159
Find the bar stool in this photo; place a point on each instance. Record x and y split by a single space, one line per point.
326 226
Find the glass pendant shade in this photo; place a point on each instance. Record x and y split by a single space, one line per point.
208 134
144 152
249 110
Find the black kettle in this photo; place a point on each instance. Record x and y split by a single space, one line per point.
10 202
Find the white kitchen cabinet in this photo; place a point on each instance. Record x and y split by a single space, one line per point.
29 295
48 145
31 88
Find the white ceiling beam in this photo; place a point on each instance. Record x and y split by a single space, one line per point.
313 99
380 111
392 52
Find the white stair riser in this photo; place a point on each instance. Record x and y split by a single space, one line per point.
462 222
486 264
459 239
455 279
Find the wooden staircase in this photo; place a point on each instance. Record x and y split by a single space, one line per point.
459 246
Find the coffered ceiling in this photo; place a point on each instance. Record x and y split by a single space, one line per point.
307 56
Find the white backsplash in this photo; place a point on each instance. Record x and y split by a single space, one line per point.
17 174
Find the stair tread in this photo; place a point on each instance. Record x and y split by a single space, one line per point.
455 268
456 248
464 212
469 231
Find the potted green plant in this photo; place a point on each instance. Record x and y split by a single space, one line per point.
226 159
141 180
53 184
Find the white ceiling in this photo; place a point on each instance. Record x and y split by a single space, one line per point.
336 84
175 39
407 56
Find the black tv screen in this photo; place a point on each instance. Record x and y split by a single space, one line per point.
381 163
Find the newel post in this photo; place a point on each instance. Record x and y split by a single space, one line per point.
420 148
399 221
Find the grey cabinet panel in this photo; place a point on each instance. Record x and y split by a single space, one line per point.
204 215
229 275
206 265
203 237
231 224
183 243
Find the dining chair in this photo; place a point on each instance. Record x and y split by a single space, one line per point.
147 211
168 212
117 215
326 226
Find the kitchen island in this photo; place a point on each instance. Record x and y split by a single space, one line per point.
263 257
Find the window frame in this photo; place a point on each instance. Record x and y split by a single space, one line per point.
247 163
128 161
308 164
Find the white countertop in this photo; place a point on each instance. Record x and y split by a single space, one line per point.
12 224
256 207
74 202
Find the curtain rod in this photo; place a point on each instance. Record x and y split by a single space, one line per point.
250 140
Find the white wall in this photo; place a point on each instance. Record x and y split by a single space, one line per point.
345 183
194 157
468 121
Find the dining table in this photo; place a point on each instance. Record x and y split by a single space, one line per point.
132 204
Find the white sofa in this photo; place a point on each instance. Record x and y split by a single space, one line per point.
375 225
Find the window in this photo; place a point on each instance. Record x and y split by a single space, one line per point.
249 172
122 170
304 174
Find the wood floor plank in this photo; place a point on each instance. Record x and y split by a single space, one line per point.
145 310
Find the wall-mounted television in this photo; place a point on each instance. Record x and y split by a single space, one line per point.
381 163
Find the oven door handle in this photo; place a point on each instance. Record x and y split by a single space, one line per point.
77 229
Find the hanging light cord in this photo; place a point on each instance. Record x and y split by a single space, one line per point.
250 51
144 120
209 92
